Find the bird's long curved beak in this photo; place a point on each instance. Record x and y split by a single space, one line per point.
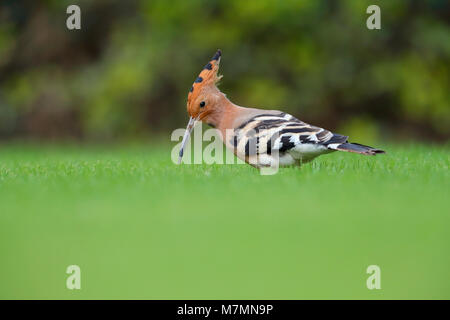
190 126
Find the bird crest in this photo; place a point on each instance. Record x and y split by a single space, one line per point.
207 77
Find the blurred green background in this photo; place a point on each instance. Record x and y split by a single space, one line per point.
86 176
127 72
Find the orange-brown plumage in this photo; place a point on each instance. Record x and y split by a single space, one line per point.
204 84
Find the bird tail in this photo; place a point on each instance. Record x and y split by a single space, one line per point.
355 148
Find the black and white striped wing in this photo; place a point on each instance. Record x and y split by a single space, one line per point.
281 132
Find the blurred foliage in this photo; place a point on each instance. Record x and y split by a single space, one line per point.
127 72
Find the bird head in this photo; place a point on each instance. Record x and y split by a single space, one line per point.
203 92
202 96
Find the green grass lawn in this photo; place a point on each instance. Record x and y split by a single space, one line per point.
141 227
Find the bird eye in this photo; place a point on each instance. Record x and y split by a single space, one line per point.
202 104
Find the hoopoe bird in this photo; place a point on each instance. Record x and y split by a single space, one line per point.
259 137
